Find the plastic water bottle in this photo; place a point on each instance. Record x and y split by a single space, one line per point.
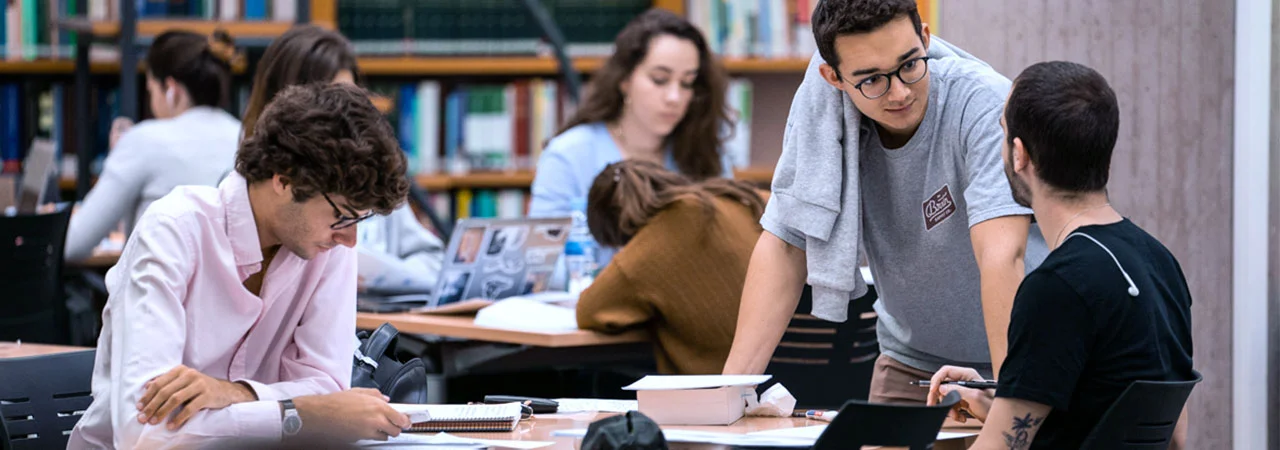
580 250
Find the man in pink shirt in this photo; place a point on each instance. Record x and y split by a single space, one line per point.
231 313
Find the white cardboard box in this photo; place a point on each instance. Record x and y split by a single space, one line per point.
695 399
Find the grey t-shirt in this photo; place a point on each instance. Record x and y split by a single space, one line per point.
918 203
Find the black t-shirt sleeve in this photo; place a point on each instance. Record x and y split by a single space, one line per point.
1050 333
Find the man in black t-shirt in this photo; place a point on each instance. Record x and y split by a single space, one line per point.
1109 306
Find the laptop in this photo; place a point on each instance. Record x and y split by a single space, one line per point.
498 258
37 171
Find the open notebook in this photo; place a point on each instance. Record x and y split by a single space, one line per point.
431 418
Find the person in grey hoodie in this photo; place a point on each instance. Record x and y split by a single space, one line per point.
892 148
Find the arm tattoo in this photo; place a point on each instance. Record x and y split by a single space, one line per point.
1018 439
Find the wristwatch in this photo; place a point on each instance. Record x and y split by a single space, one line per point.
292 422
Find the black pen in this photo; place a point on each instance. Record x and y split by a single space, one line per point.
968 384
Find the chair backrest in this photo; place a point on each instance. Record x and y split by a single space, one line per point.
823 364
1143 417
31 273
860 423
42 398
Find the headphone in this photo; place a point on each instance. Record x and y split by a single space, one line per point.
1133 288
168 97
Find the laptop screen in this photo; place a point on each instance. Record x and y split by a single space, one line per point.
499 258
37 169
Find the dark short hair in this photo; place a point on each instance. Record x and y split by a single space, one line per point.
1068 119
201 63
327 139
834 18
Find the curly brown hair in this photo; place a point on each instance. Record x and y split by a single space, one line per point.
627 194
328 139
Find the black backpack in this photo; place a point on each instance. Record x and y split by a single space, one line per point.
630 431
375 366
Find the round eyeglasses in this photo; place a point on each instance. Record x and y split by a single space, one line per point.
910 72
344 221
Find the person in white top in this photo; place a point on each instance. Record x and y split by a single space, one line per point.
309 54
191 141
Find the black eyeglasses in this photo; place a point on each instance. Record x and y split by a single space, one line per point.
343 220
910 72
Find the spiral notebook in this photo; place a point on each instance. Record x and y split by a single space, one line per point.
433 418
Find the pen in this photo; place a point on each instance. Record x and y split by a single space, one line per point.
816 414
968 384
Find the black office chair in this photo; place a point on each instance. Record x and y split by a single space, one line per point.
1143 417
31 272
823 364
42 398
860 423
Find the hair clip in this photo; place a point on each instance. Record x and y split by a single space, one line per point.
617 174
222 50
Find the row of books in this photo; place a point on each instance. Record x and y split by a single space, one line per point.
755 28
503 127
480 204
474 127
29 29
226 10
480 27
38 109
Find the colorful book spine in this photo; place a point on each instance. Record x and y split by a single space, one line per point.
13 30
228 9
11 134
462 203
255 9
284 10
30 31
486 204
455 109
511 204
428 126
407 126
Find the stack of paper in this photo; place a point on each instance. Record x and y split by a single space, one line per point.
448 441
527 314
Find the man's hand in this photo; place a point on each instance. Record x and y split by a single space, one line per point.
976 402
351 415
193 391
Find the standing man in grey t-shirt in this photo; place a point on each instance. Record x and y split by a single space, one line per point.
945 239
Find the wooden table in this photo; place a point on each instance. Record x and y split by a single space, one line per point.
464 327
466 348
16 350
541 427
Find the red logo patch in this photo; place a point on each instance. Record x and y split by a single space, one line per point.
938 207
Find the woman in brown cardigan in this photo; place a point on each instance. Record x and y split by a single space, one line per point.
685 249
